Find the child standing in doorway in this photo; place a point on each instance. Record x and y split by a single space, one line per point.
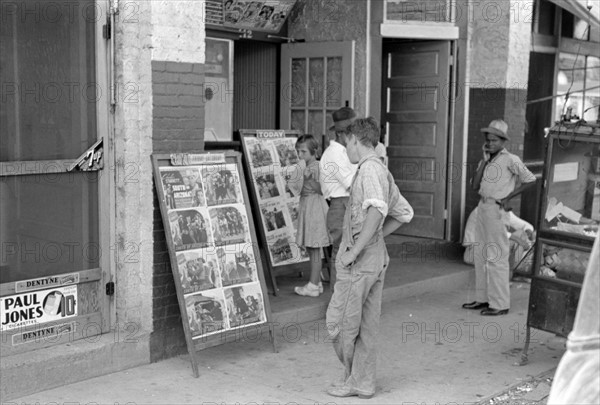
312 218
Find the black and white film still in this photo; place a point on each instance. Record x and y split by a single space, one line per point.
190 229
237 264
182 187
222 184
229 224
206 312
199 270
244 305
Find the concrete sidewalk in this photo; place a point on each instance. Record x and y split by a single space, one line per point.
431 351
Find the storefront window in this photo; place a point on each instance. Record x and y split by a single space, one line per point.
579 76
591 103
49 218
218 90
572 205
49 225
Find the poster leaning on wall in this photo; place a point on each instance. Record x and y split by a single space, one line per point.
209 230
276 173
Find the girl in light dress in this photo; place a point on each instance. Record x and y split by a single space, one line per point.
312 217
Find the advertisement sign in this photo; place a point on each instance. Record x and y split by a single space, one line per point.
45 333
37 307
46 282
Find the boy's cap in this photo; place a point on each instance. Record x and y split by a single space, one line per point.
498 128
342 119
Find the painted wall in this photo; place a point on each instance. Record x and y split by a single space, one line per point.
178 55
499 37
133 126
159 60
178 31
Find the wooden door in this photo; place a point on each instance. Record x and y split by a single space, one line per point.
416 83
316 79
54 226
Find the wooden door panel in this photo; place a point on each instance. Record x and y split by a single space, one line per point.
414 63
413 134
416 117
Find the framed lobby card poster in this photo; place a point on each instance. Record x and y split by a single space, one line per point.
212 247
271 158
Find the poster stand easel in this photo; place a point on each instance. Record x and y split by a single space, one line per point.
213 252
268 153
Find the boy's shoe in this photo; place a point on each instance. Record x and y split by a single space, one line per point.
308 290
345 391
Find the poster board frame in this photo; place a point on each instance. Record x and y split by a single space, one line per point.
198 161
266 135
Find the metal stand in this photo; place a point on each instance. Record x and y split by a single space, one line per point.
524 358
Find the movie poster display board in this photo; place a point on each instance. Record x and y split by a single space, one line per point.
265 16
212 247
271 158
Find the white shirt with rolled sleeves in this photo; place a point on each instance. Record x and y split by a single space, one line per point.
336 172
375 187
501 174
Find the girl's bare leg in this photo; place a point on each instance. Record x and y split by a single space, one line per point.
315 265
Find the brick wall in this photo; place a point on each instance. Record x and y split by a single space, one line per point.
178 126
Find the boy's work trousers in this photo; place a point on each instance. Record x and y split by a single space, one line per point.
491 256
354 311
335 225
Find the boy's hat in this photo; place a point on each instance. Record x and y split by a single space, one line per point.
497 127
342 119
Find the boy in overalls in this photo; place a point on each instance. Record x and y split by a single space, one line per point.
376 208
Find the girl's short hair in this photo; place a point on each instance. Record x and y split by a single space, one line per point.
311 143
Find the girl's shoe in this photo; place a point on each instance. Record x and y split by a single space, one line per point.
320 287
308 290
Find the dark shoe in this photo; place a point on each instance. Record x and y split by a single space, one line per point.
476 305
345 391
494 312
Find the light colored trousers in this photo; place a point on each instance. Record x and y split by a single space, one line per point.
577 379
354 311
335 225
492 251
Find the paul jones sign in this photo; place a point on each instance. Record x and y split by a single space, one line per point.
39 307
